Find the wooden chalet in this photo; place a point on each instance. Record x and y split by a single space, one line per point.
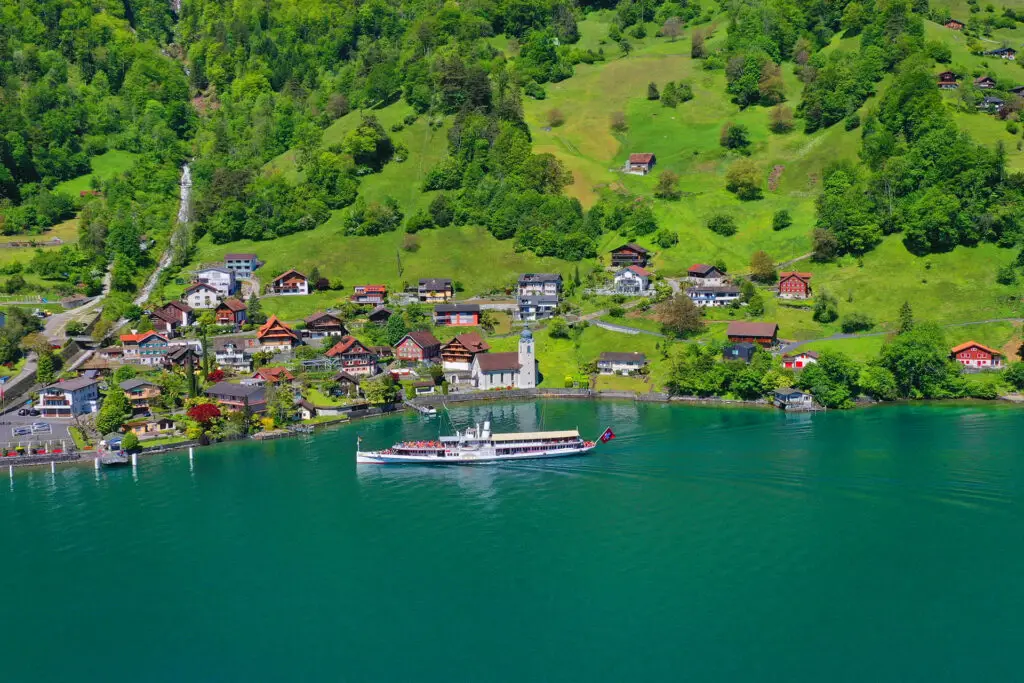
145 348
231 311
320 325
740 351
954 25
703 274
290 283
273 375
630 254
369 294
348 384
354 357
1003 53
640 163
985 82
168 318
764 334
458 354
794 285
274 335
379 315
418 347
948 81
181 356
974 355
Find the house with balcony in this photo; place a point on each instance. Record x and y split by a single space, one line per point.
711 296
354 357
218 277
145 348
201 296
230 353
169 318
705 275
540 284
275 336
630 254
536 307
69 397
620 363
140 394
290 283
231 311
242 265
369 294
435 290
320 325
457 315
632 280
251 397
458 354
419 346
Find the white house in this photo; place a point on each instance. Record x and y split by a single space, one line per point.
218 277
536 307
632 280
507 369
709 297
230 353
616 363
705 275
540 284
200 296
799 361
69 398
241 264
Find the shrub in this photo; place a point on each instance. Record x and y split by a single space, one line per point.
781 119
852 121
130 441
826 308
1006 275
723 224
616 311
555 118
781 220
421 220
1012 128
734 136
856 322
744 180
617 121
668 186
665 238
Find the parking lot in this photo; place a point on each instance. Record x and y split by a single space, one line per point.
24 429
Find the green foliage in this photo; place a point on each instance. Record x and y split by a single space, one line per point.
696 370
832 380
254 310
906 318
381 389
114 411
744 179
558 328
123 374
762 267
735 136
826 307
372 218
130 441
856 322
878 382
46 367
668 186
919 361
395 329
1014 375
681 317
721 223
781 220
666 238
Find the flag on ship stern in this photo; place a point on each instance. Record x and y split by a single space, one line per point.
607 436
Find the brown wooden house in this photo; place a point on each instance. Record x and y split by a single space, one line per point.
765 334
630 254
954 25
231 311
290 282
274 335
458 354
354 356
640 164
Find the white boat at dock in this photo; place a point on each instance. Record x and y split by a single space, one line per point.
478 445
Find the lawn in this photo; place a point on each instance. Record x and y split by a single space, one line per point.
318 398
622 383
104 166
81 443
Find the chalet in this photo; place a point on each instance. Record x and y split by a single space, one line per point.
379 315
630 254
369 294
991 103
954 25
984 82
231 311
354 357
540 284
790 399
320 325
740 351
798 361
419 346
703 274
1003 53
348 384
640 164
457 315
229 353
458 354
793 285
435 290
201 296
167 319
617 363
146 427
713 297
252 397
274 375
70 397
146 348
632 280
274 335
307 411
111 353
974 355
180 356
139 393
221 279
290 283
764 334
948 81
242 265
536 307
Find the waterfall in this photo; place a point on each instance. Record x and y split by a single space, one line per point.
185 208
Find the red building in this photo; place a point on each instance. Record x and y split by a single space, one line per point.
954 25
640 164
765 334
354 356
418 347
801 360
794 285
273 375
230 312
974 355
630 254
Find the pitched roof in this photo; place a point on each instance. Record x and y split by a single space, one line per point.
180 305
641 158
972 343
379 310
701 268
812 354
290 271
222 343
538 299
746 329
238 391
172 317
218 269
372 288
274 374
232 304
716 289
272 323
345 345
497 362
539 278
135 383
179 353
343 376
422 339
198 285
320 316
472 342
638 270
788 274
622 357
239 257
457 308
72 384
436 282
140 337
631 246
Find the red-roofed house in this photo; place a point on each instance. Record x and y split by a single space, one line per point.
640 164
354 356
794 285
369 294
954 25
290 283
273 375
274 335
145 348
798 361
974 355
458 354
418 347
632 280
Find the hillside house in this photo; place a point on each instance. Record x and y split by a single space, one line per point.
708 276
242 265
985 82
974 355
457 315
713 297
221 279
540 284
631 254
640 164
632 280
69 397
740 351
458 354
369 294
239 396
536 307
145 348
954 25
618 363
168 318
418 347
948 81
274 335
139 393
201 296
149 427
289 283
991 104
799 361
354 357
231 311
793 285
348 384
320 325
229 354
1003 53
512 369
180 355
763 334
379 315
790 399
435 290
274 375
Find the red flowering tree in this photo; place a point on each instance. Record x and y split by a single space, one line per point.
215 376
204 413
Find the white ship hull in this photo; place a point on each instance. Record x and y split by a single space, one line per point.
479 457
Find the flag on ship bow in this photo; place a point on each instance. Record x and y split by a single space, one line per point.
607 436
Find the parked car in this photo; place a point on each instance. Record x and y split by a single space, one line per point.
23 412
33 412
40 427
22 431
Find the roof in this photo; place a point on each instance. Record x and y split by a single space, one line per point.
422 338
379 310
788 274
641 158
232 304
788 392
496 362
345 377
631 246
228 390
436 282
972 343
992 100
637 270
130 384
306 404
539 278
472 341
141 336
345 345
172 317
218 269
180 305
372 288
539 299
198 285
239 257
717 289
273 322
982 79
320 316
622 357
424 383
745 329
221 343
290 271
701 268
72 384
275 373
457 308
1000 50
532 436
812 354
180 352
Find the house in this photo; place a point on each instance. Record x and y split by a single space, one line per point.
231 311
991 104
320 325
290 283
146 348
181 355
617 363
274 335
241 265
984 82
948 81
458 354
306 410
740 351
419 347
536 307
540 284
348 384
70 397
274 375
974 355
149 426
369 294
139 393
954 25
167 319
379 315
710 297
221 279
201 296
229 353
1018 90
457 315
630 254
793 285
239 396
790 399
515 369
703 274
765 334
435 290
640 164
424 387
798 361
354 356
632 280
383 351
1003 53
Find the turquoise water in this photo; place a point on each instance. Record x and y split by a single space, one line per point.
703 544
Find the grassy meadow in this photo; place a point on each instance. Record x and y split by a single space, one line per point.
104 166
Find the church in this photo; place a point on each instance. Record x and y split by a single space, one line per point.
507 370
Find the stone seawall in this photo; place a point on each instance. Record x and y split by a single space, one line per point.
517 394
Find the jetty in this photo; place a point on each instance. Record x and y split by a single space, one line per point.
114 458
421 409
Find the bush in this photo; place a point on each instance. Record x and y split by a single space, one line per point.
665 238
852 122
421 220
744 180
826 308
130 442
781 119
734 136
1006 275
856 322
616 311
1014 375
555 118
668 186
723 224
617 121
1012 128
781 220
